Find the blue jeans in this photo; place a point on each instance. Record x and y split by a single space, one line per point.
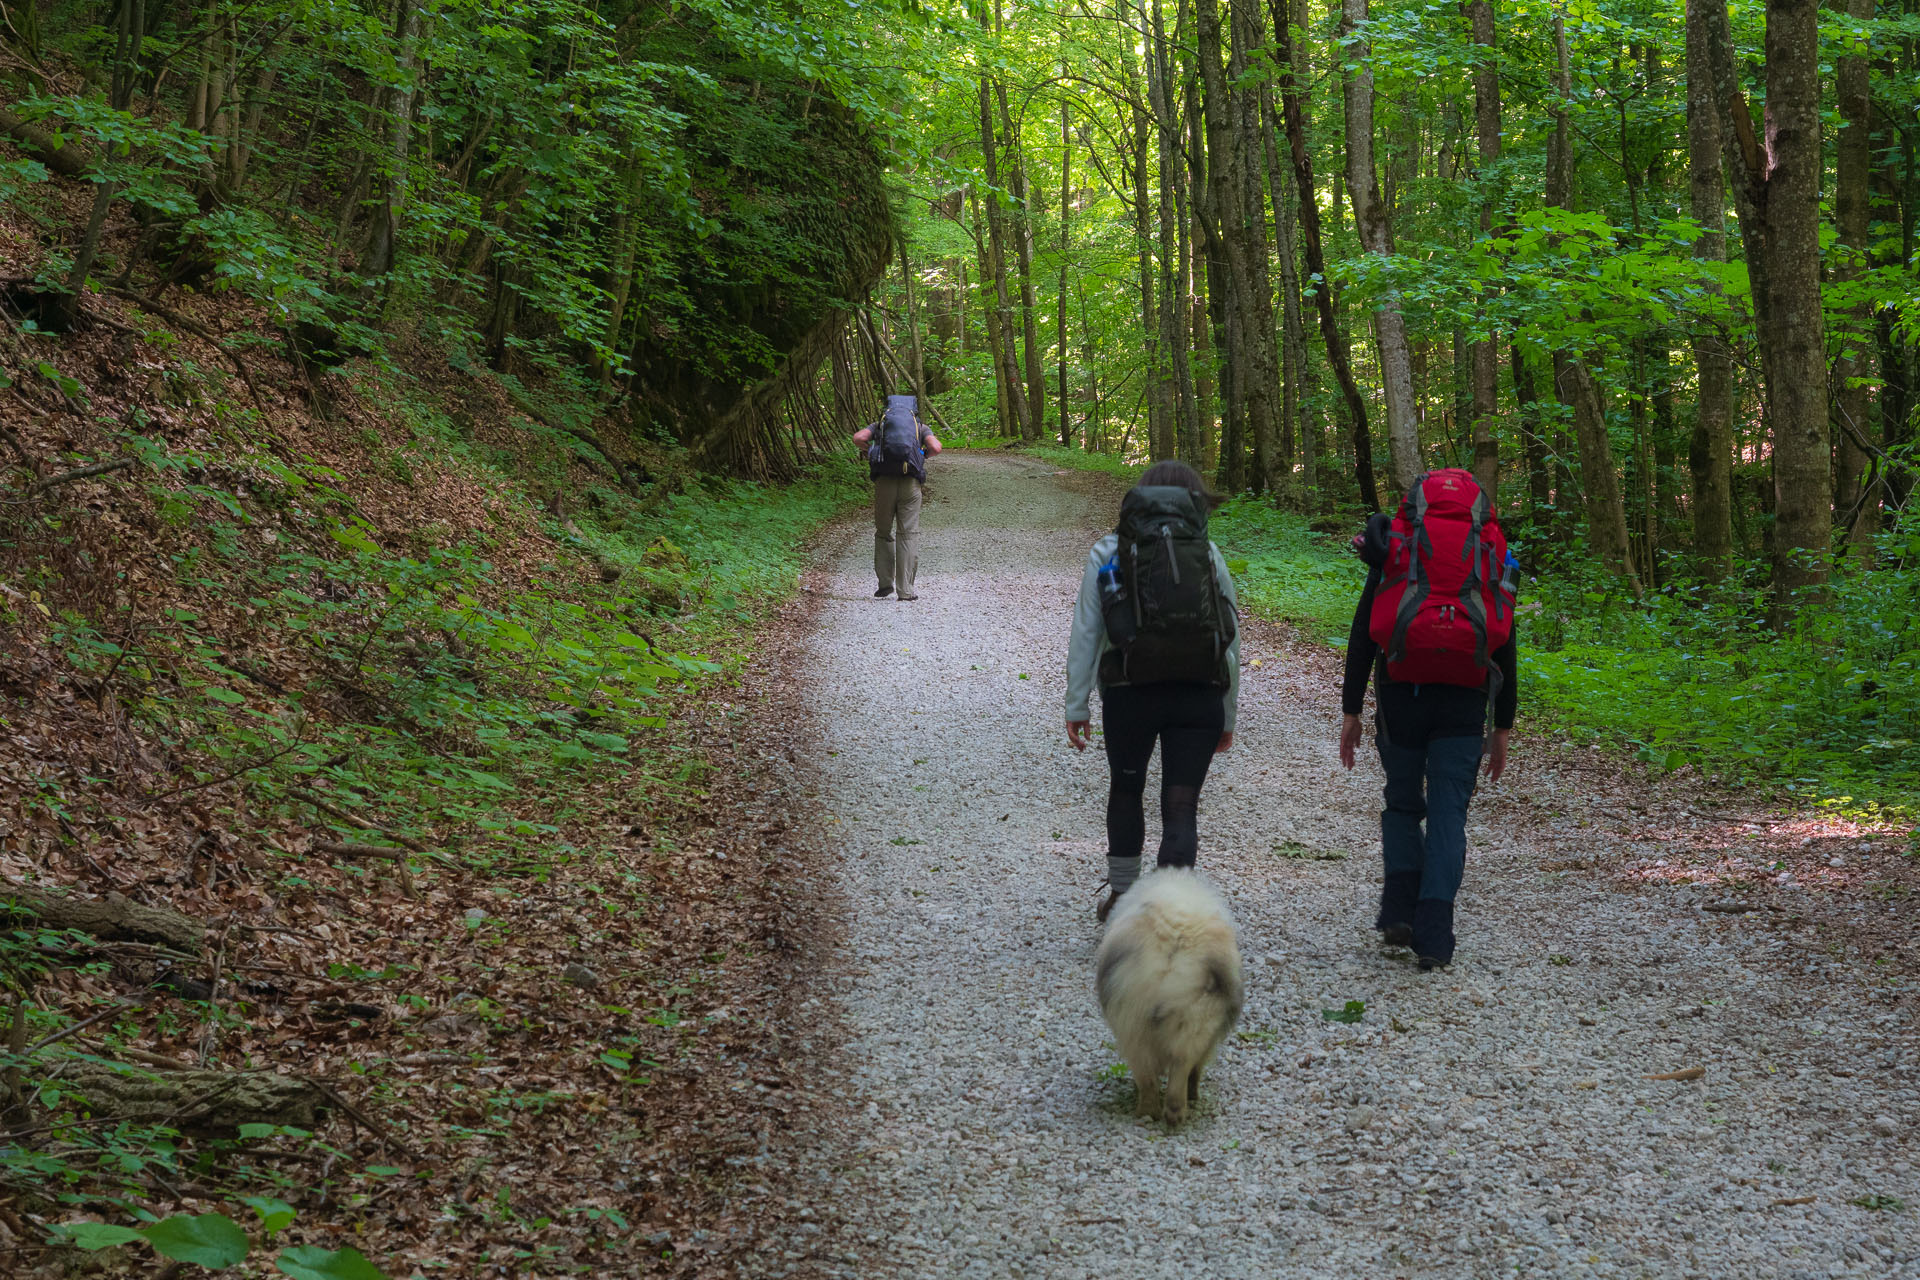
1432 782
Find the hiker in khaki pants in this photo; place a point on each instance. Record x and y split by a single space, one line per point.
897 449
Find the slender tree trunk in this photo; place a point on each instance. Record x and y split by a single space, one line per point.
1000 329
1254 287
1533 440
1293 114
1226 268
1159 397
1373 222
1036 391
1606 511
378 259
1292 325
626 247
1172 364
1559 195
1193 440
1852 406
1060 303
993 315
1710 452
1896 203
918 366
1485 360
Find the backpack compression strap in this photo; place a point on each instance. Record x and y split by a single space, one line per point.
1471 593
1417 587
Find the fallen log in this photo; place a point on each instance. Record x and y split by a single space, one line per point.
114 918
191 1100
64 157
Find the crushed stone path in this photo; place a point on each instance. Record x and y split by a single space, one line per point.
1493 1119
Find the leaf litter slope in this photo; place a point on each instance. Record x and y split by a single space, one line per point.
492 1109
1496 1115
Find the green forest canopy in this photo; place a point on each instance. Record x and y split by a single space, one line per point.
1647 267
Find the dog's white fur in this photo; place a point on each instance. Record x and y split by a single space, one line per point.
1168 974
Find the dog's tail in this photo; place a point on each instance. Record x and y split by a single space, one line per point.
1177 929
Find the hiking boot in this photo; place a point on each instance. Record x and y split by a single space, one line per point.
883 593
908 595
1398 894
1105 908
1433 933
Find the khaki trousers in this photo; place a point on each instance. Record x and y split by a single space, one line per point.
896 501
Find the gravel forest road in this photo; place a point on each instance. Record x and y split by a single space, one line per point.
1492 1119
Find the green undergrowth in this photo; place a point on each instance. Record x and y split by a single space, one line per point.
1828 712
415 679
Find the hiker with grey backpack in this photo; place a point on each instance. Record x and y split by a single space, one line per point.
1434 630
896 449
1157 627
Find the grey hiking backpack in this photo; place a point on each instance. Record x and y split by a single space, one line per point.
1165 615
895 448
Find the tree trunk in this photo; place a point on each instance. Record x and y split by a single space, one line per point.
1710 452
1036 389
1292 325
1794 335
1214 194
1606 512
1485 361
1896 203
1060 297
1740 153
378 259
1293 114
1533 440
918 366
1172 363
1158 392
1254 286
1192 440
1856 501
1373 222
1000 326
1559 194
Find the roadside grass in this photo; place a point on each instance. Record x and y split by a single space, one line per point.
1828 712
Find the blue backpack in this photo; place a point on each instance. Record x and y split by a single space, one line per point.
895 448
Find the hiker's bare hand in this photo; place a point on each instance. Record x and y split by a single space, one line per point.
1497 755
1226 742
933 443
1349 739
1079 733
863 435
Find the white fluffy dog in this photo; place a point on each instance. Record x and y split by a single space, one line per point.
1168 974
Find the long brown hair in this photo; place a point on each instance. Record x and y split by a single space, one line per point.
1181 476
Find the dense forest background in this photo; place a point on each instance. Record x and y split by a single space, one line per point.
399 398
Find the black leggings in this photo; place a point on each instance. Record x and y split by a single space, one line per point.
1188 720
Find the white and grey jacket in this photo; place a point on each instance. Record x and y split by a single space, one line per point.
1089 642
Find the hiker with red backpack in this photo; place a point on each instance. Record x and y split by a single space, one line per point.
1434 628
1157 627
896 448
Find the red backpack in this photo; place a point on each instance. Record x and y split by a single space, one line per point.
1443 605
